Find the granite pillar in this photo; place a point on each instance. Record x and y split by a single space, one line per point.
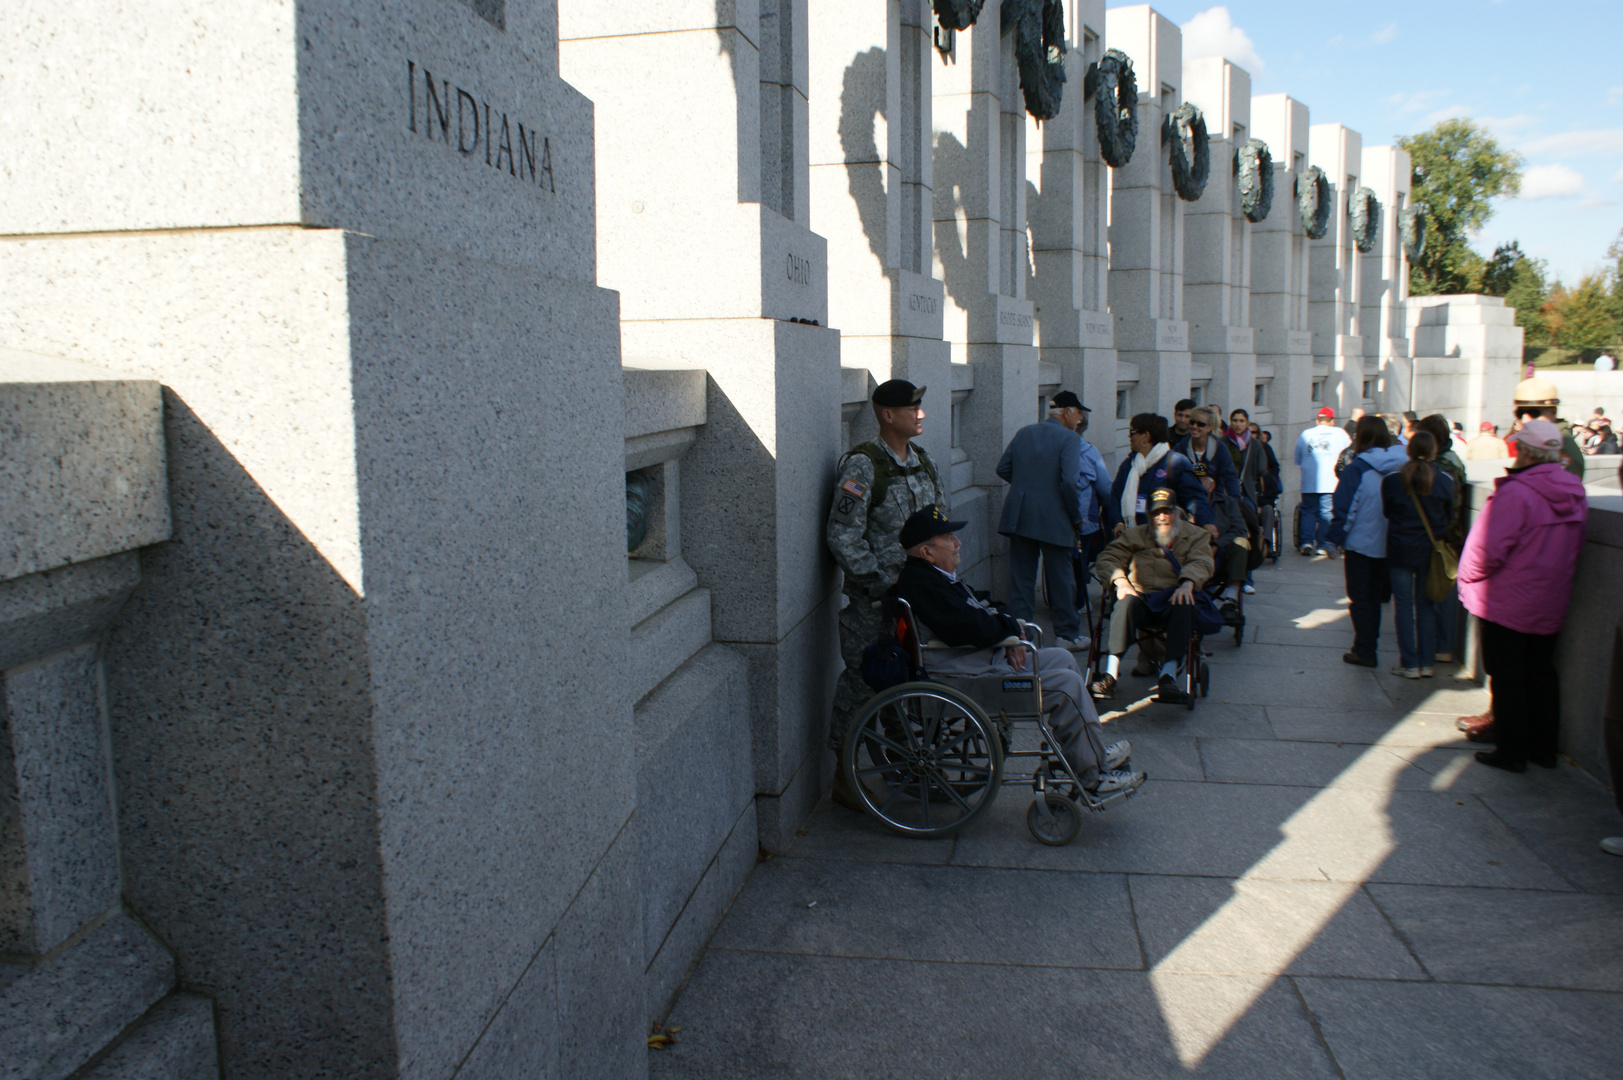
1387 356
704 227
365 770
1147 222
1279 287
1335 280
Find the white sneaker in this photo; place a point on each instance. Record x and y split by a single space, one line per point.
1073 644
1612 845
1406 672
1307 549
1248 589
1116 755
1325 553
1427 673
1115 780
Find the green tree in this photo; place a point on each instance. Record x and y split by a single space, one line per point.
1519 278
1458 168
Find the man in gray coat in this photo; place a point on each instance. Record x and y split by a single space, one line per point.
1042 514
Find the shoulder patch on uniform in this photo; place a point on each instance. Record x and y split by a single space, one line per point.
855 487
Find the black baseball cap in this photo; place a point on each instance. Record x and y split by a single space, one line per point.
925 523
1065 399
1163 499
897 392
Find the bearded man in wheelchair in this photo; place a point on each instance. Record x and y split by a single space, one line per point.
1156 571
986 641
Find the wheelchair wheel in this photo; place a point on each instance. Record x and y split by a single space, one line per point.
1205 681
1276 534
924 759
1059 829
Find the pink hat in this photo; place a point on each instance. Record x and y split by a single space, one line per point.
1539 433
1486 425
1327 411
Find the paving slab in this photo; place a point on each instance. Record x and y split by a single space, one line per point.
1278 656
1442 1031
1512 937
1336 635
1387 726
1210 718
1165 756
1346 687
837 832
1235 927
1567 832
1312 764
746 1016
1440 694
943 913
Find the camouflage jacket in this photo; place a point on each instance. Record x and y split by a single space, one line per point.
863 534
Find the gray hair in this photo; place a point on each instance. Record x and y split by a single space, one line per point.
1534 455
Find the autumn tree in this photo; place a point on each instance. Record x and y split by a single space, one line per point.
1458 167
1581 318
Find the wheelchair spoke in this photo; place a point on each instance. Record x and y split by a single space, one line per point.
894 766
875 736
950 790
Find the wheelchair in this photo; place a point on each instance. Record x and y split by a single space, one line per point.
1195 675
928 756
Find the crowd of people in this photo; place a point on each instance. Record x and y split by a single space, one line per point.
1174 537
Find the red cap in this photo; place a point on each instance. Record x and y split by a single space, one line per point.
1327 411
1487 425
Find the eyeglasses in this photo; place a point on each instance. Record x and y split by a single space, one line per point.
1135 431
1199 423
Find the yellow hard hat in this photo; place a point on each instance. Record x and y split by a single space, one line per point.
1537 393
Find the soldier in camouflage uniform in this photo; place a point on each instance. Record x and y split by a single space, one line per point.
877 489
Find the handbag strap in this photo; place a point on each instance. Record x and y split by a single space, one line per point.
1421 510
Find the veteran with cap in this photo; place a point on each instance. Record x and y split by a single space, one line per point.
1154 569
985 643
1044 514
878 485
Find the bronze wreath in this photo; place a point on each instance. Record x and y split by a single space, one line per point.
1185 129
1114 90
1413 226
1254 173
1365 211
1039 49
957 14
1313 201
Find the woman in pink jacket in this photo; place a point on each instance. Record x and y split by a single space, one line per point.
1516 577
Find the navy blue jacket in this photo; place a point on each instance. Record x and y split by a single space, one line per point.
1220 461
1043 465
1407 545
1173 471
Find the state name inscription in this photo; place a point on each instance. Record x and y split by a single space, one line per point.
478 129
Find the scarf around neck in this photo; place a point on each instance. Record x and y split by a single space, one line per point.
1140 465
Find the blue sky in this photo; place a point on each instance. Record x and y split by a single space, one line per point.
1545 78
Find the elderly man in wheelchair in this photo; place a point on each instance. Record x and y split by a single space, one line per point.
1153 575
926 756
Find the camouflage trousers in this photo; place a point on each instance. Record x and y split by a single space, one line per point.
859 628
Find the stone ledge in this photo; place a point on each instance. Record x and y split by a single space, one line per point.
175 1041
84 472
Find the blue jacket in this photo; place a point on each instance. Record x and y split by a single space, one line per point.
1407 545
1095 487
1362 528
1173 471
1218 460
1043 465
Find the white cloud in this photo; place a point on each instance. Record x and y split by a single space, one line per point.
1385 34
1618 179
1448 114
1212 33
1577 143
1417 101
1551 182
1614 96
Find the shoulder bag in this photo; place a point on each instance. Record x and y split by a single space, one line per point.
1445 561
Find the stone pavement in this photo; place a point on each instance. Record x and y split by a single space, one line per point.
1317 881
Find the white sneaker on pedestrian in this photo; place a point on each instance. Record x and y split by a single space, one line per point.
1073 644
1114 780
1406 672
1612 845
1307 549
1116 755
1427 673
1249 589
1325 553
